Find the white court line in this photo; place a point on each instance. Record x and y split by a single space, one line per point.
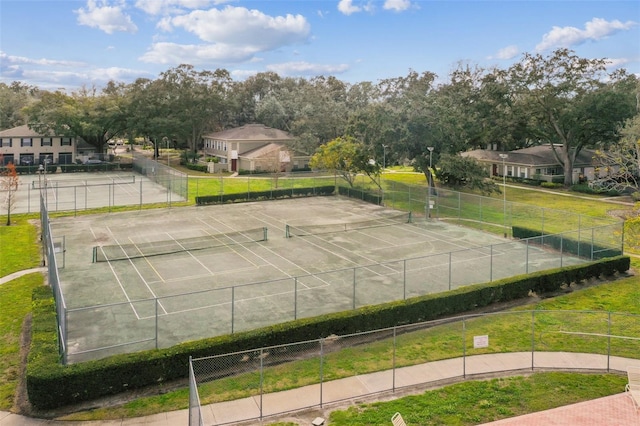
191 254
136 269
133 308
327 284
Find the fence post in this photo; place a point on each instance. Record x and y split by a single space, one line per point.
393 361
464 348
608 340
156 301
233 296
321 368
261 379
491 263
404 279
354 289
295 298
533 337
449 270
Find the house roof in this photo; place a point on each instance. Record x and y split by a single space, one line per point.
20 132
251 132
262 151
541 155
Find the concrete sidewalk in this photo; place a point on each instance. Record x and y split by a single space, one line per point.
303 404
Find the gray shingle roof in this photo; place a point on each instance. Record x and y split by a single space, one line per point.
251 132
541 155
20 132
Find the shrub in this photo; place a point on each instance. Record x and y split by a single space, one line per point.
551 185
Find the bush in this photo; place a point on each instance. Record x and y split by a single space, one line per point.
265 195
551 185
51 385
586 189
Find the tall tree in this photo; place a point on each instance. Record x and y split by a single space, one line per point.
464 172
346 157
573 102
13 98
94 118
194 101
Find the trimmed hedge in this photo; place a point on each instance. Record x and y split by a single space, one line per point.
568 245
100 167
196 167
51 385
265 195
360 195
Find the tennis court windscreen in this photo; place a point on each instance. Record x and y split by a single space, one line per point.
156 248
302 230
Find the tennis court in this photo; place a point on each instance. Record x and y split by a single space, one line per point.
155 278
82 191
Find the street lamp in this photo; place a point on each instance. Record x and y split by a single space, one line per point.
504 194
384 156
430 148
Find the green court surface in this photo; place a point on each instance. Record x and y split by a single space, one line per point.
164 286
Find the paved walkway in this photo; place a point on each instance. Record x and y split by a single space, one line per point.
609 411
18 274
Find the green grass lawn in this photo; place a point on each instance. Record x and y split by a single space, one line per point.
20 250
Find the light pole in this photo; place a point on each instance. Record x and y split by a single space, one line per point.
504 195
384 156
430 148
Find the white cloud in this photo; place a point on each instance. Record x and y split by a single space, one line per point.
595 29
22 60
243 27
397 5
106 17
161 7
508 52
230 35
173 53
306 69
347 8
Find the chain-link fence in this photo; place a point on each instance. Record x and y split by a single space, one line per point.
49 249
173 180
389 357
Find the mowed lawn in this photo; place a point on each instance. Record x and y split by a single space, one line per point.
19 250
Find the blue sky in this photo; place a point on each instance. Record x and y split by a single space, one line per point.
57 44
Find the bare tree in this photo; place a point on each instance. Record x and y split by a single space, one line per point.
9 186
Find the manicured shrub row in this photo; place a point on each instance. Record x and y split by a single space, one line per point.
52 385
196 167
567 245
30 170
360 195
265 195
75 168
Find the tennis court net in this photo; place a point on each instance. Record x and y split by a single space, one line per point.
156 248
304 230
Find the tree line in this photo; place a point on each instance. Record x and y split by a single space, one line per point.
559 99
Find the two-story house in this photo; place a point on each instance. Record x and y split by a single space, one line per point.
254 147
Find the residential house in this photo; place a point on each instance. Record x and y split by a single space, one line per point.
536 162
254 147
23 146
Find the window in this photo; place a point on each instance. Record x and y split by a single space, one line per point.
46 142
65 158
26 142
45 158
5 142
65 141
6 159
26 159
